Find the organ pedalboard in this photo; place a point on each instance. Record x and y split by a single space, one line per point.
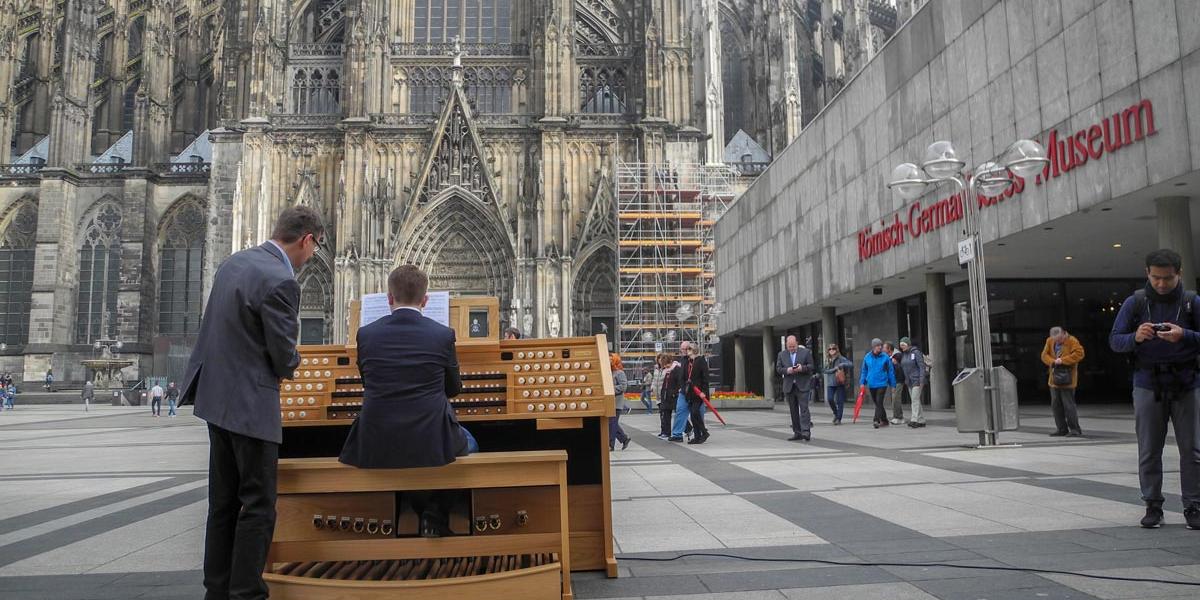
539 378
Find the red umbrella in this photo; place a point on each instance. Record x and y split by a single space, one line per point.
709 405
862 390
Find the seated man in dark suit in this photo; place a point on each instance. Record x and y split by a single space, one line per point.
409 370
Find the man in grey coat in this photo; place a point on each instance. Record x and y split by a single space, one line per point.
88 394
246 345
795 365
912 363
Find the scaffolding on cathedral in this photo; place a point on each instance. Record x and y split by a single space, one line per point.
665 218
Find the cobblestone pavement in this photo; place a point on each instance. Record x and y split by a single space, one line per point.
111 503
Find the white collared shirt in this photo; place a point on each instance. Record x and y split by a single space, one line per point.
413 308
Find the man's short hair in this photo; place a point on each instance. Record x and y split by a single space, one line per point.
1056 331
296 222
513 331
1165 258
408 284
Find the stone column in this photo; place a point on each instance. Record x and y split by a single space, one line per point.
739 363
938 318
829 331
1175 232
768 356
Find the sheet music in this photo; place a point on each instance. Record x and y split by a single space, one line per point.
438 307
374 307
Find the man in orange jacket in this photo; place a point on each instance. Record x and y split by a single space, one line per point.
1062 355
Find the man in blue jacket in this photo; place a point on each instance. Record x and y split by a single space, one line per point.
879 375
1158 324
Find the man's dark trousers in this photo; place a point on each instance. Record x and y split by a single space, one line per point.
1182 409
797 402
241 514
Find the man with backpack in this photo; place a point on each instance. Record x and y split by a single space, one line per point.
1158 326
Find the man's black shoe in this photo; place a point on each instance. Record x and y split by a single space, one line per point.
625 444
1154 516
697 440
434 525
1075 434
795 438
1058 434
1192 515
675 438
806 437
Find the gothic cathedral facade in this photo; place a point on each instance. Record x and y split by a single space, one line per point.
146 140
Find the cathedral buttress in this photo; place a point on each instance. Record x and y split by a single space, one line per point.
71 107
9 57
153 102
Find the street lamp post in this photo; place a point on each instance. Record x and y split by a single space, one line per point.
1024 158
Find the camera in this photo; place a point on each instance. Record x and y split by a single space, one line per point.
1160 327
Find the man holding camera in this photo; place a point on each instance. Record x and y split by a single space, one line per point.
1159 326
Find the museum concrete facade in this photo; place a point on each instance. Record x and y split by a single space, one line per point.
819 247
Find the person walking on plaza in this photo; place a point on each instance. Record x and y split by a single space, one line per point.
667 395
88 394
655 381
246 345
10 396
912 366
895 393
648 387
692 379
795 365
156 396
1160 325
1062 354
620 383
837 371
172 395
49 381
878 375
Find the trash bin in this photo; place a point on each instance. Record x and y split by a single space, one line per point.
970 400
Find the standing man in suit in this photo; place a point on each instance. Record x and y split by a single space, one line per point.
795 365
247 344
410 371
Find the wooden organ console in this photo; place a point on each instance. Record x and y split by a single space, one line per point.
518 396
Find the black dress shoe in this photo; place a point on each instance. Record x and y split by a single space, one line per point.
625 444
697 440
1058 434
806 437
675 438
1075 434
795 438
435 526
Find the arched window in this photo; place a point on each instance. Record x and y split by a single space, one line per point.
127 105
474 21
602 89
99 275
316 90
136 31
180 264
18 229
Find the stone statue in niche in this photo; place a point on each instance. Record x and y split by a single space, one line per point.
552 322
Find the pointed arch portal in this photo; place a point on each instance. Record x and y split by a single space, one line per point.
461 249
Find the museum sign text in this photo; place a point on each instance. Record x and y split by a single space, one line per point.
1066 152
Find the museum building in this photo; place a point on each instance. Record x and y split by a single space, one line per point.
819 247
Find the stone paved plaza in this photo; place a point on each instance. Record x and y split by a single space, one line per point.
110 504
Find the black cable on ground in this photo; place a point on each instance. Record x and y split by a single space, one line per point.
841 563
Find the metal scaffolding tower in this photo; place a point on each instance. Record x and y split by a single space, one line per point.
665 219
